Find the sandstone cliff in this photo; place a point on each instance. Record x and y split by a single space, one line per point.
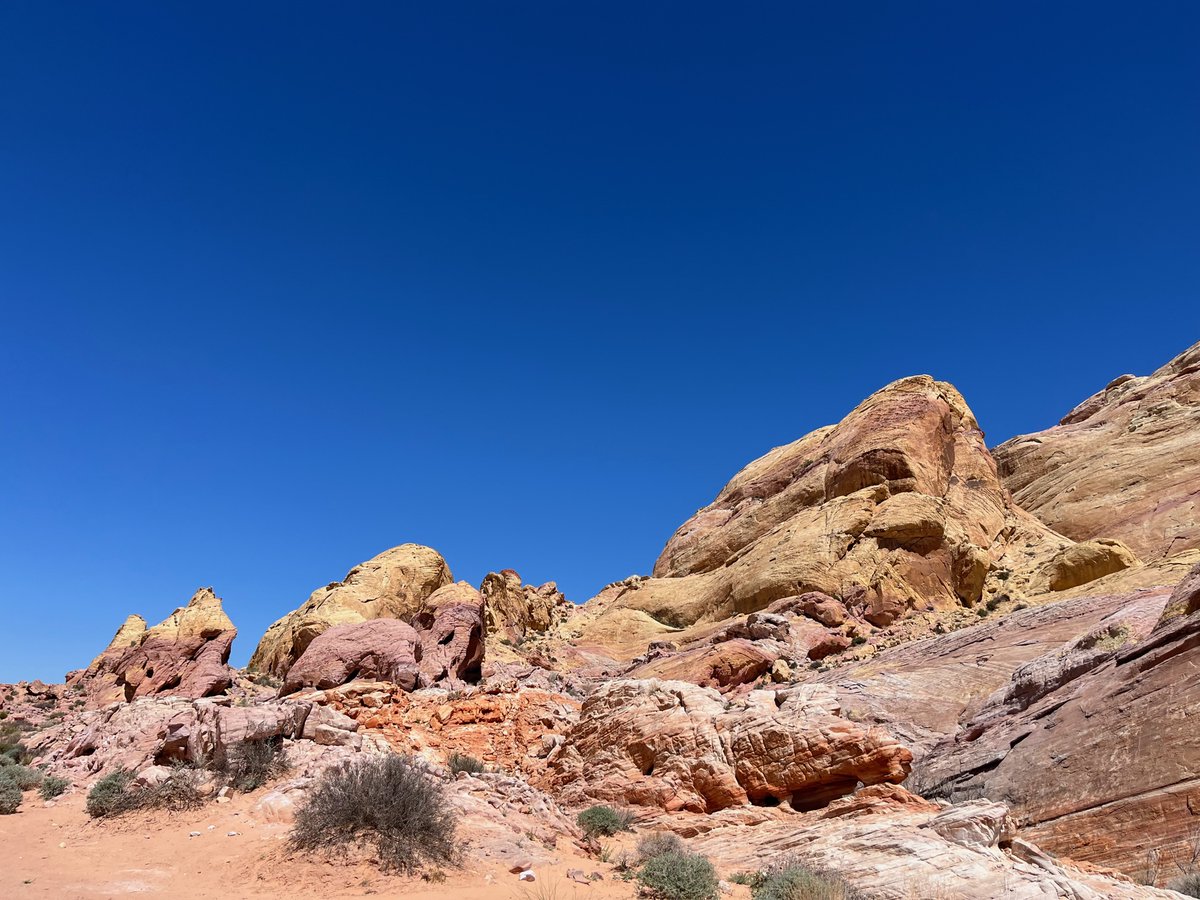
1124 464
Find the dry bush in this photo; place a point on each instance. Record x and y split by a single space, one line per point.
251 764
389 802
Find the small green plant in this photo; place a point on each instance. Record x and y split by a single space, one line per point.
10 797
982 612
679 876
178 792
789 879
857 641
112 795
658 844
597 821
3 714
52 786
25 778
461 762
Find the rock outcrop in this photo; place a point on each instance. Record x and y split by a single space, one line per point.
677 746
1124 464
393 585
442 645
1093 747
515 610
185 655
891 845
896 509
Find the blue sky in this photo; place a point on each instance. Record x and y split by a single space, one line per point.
285 284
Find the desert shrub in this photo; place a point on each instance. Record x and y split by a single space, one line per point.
790 879
461 762
3 713
10 797
52 786
178 792
25 778
604 821
251 764
679 876
390 802
112 795
1188 885
657 844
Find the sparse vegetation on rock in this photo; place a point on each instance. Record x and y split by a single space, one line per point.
249 765
462 762
597 821
789 879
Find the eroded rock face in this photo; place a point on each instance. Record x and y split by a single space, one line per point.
393 585
513 609
677 746
185 655
896 509
1124 464
442 645
1093 747
153 732
506 727
890 844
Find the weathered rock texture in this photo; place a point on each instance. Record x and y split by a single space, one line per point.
508 728
1093 747
922 690
185 655
1124 464
154 732
891 845
393 585
443 644
896 509
515 610
677 746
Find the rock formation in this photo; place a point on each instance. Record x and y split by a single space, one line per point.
393 585
185 655
1124 464
1093 746
896 509
514 610
443 644
676 746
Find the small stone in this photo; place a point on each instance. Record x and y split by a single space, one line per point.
62 845
193 834
527 875
232 833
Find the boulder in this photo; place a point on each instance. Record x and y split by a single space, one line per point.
677 746
381 650
1087 561
1124 464
393 585
442 645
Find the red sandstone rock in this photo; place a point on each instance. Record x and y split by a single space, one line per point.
676 746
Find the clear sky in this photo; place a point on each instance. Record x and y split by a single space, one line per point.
285 284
